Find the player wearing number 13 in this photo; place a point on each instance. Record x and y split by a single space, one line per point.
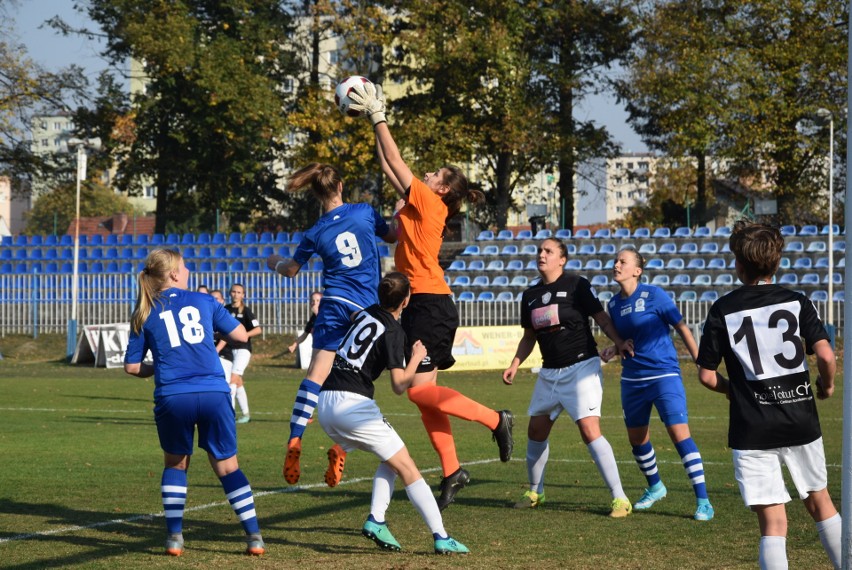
758 331
190 388
345 238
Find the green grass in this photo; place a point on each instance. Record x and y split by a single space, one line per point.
81 483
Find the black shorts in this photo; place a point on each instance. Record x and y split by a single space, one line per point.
432 319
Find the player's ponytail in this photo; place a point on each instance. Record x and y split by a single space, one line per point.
152 279
323 179
460 190
393 290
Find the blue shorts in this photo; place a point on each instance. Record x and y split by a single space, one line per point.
333 321
666 394
177 416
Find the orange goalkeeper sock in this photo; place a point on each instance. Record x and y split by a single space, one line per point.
441 435
448 401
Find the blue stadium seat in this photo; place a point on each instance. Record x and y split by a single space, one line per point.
583 233
51 267
569 247
821 263
221 266
661 280
141 253
204 252
529 249
607 249
112 253
839 296
621 233
689 296
839 245
284 250
587 249
819 296
96 253
841 263
543 234
21 253
708 297
95 239
519 281
505 235
668 248
787 230
655 263
661 233
828 229
97 267
465 297
808 230
702 280
675 263
510 250
457 265
486 296
505 297
795 247
593 265
205 266
604 297
112 267
524 234
282 237
490 250
266 238
563 233
218 239
681 280
717 263
51 239
709 247
235 238
140 239
269 250
701 232
696 263
809 279
817 246
236 266
647 249
788 279
837 278
480 281
485 235
515 265
249 238
803 263
187 239
785 263
682 232
125 239
600 281
603 233
172 239
500 281
610 263
471 250
688 248
36 253
66 240
461 281
190 265
476 265
220 252
641 233
571 265
188 252
495 265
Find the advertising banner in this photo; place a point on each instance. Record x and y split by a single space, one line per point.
490 348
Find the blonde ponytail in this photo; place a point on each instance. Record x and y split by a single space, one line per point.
152 279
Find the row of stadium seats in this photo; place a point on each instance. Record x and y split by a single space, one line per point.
136 266
234 238
626 233
687 295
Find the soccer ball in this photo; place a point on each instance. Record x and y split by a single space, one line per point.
341 94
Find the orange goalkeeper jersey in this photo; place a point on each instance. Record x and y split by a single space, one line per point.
420 233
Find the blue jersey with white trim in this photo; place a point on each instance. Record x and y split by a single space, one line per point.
345 239
179 333
646 317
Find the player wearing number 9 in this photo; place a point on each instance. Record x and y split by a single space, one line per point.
345 238
190 388
758 331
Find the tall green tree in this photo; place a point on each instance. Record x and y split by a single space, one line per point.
735 80
209 125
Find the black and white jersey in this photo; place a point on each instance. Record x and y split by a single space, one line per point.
373 343
248 320
559 315
758 331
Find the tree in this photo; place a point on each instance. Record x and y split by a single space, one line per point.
209 126
733 80
56 210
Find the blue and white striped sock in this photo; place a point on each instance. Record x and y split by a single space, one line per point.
303 408
173 489
646 459
691 459
238 493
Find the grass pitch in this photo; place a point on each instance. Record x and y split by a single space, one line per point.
81 483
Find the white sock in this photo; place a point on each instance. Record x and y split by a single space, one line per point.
604 458
773 553
233 388
537 455
383 482
242 400
423 500
829 534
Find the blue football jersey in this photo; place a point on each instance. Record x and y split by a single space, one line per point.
345 239
646 317
179 333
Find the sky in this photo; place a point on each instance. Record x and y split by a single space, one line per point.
53 51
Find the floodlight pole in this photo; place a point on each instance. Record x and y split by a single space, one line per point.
826 114
846 468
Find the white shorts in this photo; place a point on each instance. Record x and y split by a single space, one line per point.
577 389
355 422
227 365
761 480
241 360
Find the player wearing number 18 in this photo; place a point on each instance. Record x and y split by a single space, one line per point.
345 238
758 331
190 388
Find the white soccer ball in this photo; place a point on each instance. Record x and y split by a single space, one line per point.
341 94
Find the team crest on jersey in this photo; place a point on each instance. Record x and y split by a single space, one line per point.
640 305
545 298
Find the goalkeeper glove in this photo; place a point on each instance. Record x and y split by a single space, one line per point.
368 99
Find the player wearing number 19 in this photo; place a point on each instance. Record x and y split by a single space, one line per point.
758 331
190 388
345 238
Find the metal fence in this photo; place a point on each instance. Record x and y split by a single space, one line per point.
41 303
